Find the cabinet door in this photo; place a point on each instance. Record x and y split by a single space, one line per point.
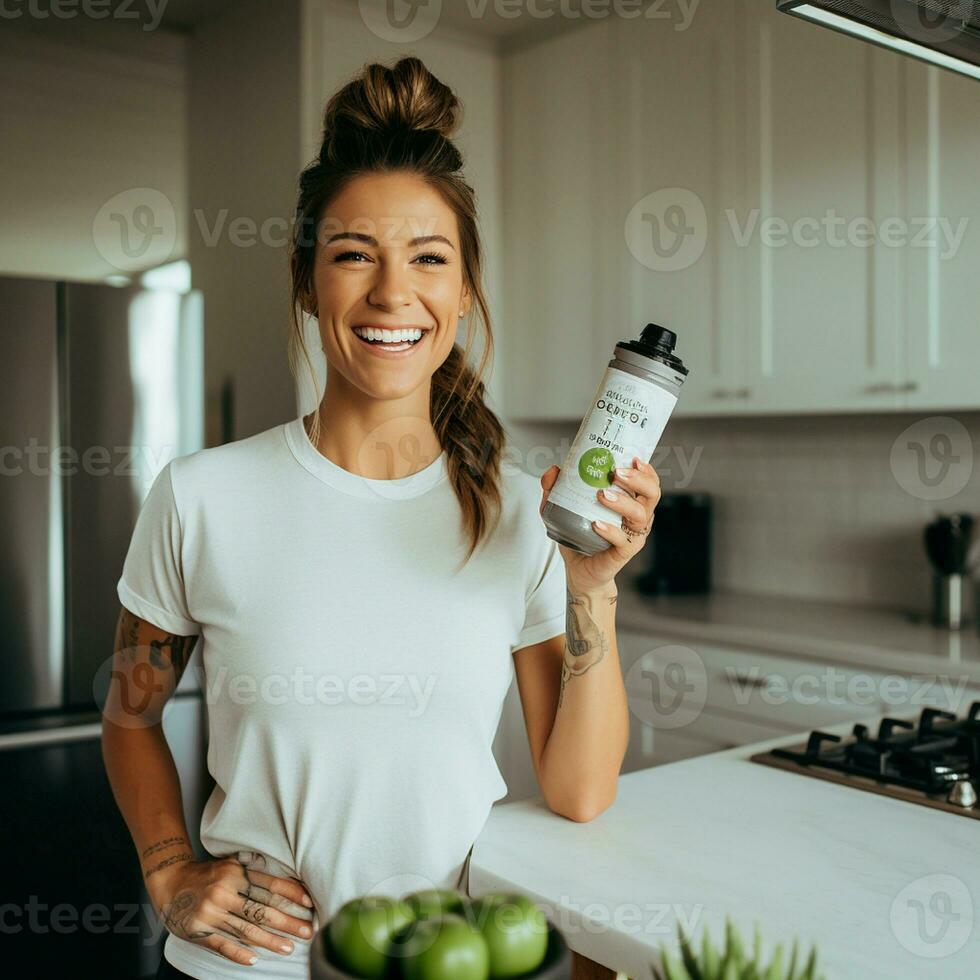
684 164
557 138
942 266
822 113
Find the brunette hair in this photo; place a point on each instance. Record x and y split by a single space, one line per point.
400 119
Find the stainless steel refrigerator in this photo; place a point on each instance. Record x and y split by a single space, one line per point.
101 386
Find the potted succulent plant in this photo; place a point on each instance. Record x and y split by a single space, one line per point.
734 961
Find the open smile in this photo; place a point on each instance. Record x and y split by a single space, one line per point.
391 343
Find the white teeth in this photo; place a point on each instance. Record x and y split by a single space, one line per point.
388 336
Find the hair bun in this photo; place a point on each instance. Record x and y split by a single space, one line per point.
402 100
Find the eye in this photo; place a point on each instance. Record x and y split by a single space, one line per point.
439 259
345 256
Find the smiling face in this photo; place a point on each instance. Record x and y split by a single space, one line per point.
388 256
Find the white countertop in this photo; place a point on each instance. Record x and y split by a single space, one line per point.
721 836
871 638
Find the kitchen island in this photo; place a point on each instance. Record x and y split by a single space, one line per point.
883 887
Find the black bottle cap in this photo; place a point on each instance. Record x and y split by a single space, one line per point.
657 342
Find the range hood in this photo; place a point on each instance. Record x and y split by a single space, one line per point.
942 32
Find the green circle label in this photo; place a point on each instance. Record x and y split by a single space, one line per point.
595 466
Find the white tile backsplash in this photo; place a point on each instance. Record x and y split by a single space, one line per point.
804 506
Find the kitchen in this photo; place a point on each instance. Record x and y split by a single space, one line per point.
791 192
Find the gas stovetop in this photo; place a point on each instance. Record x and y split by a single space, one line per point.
935 761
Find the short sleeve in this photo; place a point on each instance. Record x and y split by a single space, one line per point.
546 602
152 582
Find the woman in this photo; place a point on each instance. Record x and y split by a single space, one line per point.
361 578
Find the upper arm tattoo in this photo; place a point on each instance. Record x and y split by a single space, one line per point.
148 663
138 640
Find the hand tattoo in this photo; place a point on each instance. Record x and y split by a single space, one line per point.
177 913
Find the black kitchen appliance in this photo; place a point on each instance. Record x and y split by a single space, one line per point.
948 541
678 550
934 761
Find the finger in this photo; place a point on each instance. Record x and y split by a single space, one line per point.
279 902
638 482
547 482
229 949
254 905
549 476
287 894
616 536
622 503
249 932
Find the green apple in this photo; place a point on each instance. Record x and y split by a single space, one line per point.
434 901
360 934
515 930
444 947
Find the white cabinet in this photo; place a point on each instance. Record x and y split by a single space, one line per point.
820 292
683 165
801 207
558 138
689 698
942 283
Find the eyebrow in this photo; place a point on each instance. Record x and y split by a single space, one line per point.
371 240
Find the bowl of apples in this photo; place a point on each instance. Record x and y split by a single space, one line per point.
440 934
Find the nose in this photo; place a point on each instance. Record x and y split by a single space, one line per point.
391 287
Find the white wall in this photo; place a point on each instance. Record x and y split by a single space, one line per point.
88 110
338 44
244 126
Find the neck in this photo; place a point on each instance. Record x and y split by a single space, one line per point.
379 439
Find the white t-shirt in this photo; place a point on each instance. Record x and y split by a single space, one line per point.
355 678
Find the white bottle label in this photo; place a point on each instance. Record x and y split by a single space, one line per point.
627 419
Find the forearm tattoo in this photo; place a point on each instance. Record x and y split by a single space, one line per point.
168 862
585 642
162 845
